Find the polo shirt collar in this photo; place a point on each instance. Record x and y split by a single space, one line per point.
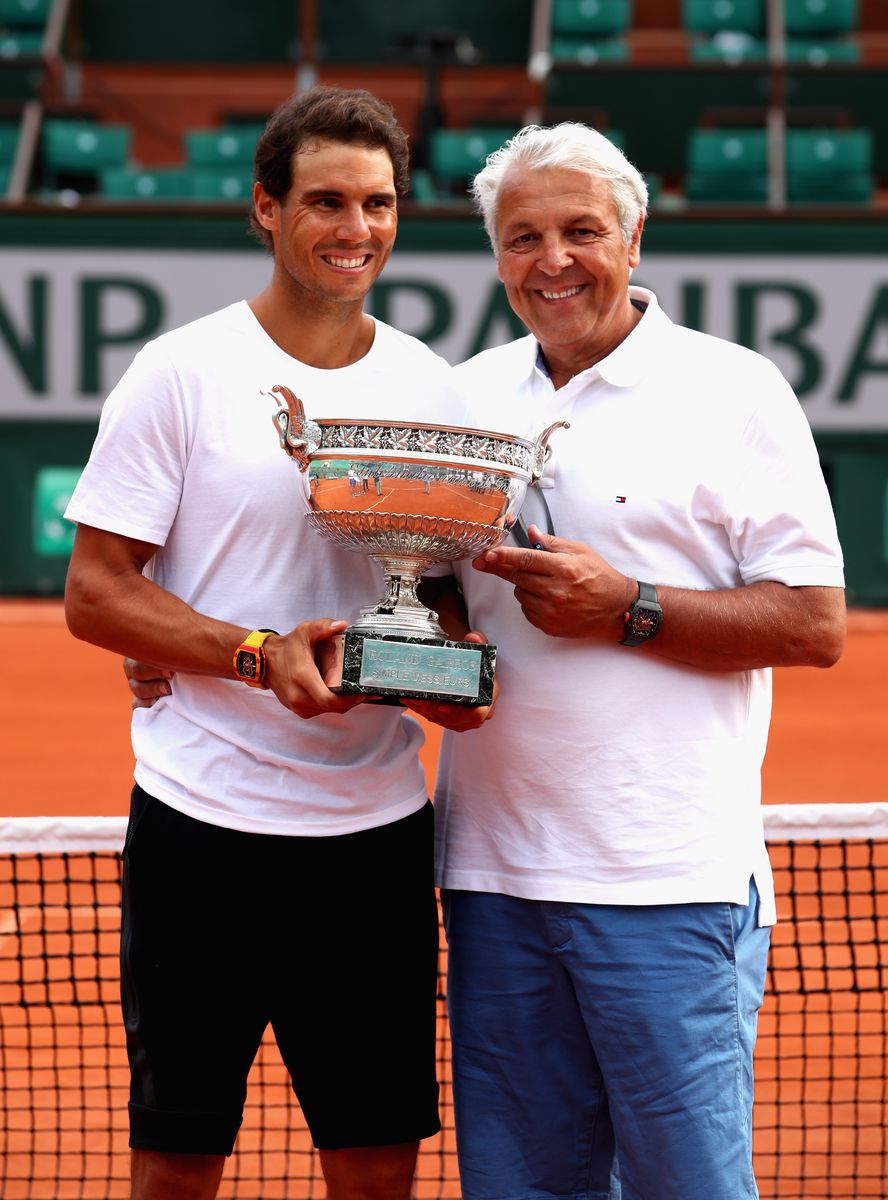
634 356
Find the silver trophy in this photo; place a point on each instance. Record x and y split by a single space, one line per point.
409 495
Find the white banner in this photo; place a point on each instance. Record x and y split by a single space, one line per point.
72 320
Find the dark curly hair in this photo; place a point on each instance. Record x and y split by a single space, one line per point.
334 113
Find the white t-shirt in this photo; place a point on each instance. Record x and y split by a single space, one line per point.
187 458
609 775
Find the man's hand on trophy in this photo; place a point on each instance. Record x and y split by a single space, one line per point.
147 682
458 717
302 666
564 588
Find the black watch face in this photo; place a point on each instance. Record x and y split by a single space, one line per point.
644 622
247 664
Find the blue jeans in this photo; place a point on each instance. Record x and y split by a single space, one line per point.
603 1051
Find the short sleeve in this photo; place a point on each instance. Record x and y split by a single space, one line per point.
780 518
132 484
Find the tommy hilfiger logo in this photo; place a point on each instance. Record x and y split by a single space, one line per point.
621 499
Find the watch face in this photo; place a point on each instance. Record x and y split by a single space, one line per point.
247 664
644 622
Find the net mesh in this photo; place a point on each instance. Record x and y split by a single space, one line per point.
821 1063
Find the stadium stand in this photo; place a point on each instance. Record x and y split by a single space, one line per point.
456 154
727 166
819 32
730 31
829 166
219 162
145 183
74 152
587 31
457 70
24 39
22 26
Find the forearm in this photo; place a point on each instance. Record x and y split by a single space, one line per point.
109 602
569 590
761 625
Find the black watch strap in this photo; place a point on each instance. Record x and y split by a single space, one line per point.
643 620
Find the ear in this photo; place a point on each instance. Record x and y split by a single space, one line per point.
635 244
266 208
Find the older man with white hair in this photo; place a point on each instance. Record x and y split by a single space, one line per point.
606 884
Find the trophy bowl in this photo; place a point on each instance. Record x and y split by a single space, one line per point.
409 495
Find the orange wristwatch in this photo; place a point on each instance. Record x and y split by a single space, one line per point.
249 658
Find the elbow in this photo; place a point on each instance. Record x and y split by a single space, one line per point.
822 656
74 610
829 651
80 607
826 640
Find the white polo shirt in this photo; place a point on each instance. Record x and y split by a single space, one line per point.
609 775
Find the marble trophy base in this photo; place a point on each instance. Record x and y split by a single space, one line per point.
391 666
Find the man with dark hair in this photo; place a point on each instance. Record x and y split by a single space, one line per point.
349 117
276 870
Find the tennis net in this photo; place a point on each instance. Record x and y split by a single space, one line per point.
821 1094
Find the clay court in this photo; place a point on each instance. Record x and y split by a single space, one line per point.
821 1101
65 715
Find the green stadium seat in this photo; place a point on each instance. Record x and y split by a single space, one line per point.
727 166
828 150
585 32
142 183
729 48
234 184
9 135
22 33
728 31
24 13
422 187
587 52
229 146
820 32
457 154
820 52
807 18
829 166
591 18
19 43
5 176
83 147
654 183
716 16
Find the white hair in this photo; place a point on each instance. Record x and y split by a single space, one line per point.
572 146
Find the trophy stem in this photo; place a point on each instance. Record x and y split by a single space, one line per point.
400 610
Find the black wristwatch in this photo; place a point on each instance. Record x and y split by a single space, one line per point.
643 620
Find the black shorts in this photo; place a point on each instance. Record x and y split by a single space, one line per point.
333 940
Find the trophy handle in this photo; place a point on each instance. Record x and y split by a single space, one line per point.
542 449
299 435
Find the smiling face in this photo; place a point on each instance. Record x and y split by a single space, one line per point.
564 264
333 232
